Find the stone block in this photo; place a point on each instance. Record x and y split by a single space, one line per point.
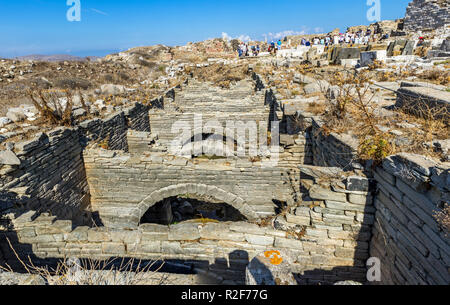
320 233
79 234
171 247
184 231
360 199
367 58
355 183
99 235
338 219
149 247
113 248
288 243
299 220
259 240
320 193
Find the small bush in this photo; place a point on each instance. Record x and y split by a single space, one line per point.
376 147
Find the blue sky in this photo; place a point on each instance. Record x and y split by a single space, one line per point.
106 26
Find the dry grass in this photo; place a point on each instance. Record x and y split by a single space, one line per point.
316 108
219 74
436 76
433 124
304 68
353 112
443 218
87 272
376 64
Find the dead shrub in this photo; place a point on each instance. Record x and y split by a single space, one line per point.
376 64
48 103
443 218
352 110
439 77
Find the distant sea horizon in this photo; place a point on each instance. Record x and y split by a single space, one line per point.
83 53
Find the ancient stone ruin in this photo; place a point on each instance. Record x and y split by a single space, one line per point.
242 179
63 197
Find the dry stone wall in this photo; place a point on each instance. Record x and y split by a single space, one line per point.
325 243
325 149
427 14
113 129
139 141
123 186
51 170
51 173
413 248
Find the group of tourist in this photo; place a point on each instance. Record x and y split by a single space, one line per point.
359 37
245 50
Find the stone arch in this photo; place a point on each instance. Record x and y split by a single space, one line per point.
198 189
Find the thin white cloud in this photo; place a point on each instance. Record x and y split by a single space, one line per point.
282 34
226 37
99 11
242 37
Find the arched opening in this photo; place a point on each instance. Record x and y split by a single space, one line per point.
190 207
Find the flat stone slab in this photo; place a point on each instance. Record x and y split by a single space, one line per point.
7 157
432 93
422 84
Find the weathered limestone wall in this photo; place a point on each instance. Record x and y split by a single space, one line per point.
338 213
137 117
114 128
139 141
333 150
325 149
427 14
325 242
52 171
407 239
295 150
124 186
